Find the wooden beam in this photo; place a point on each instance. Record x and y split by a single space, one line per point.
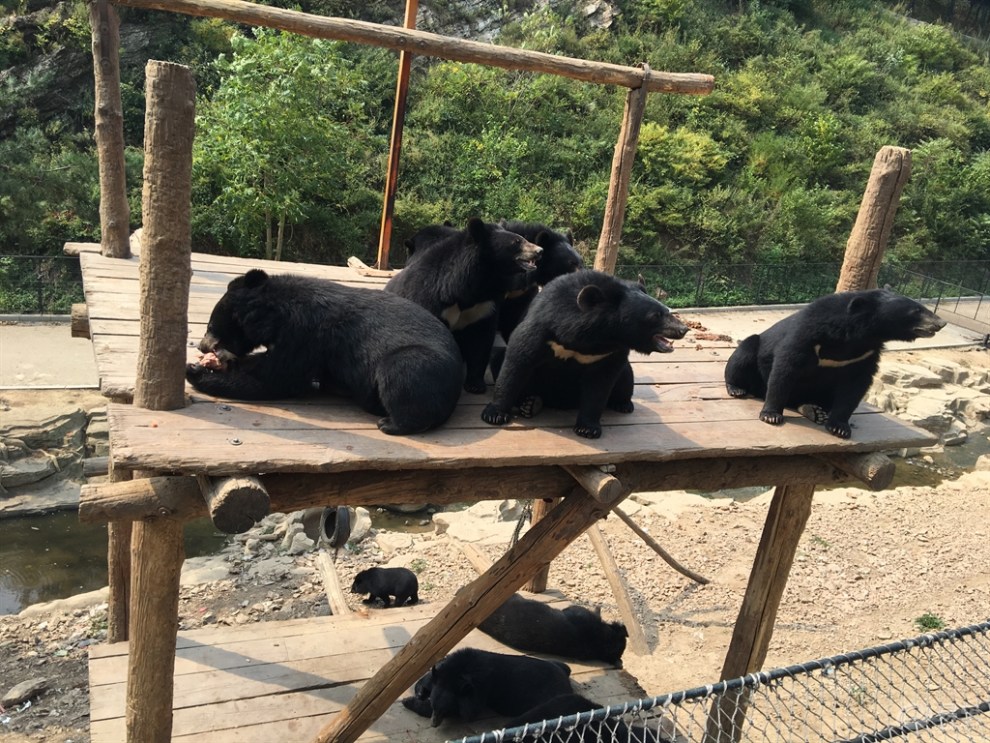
79 320
395 142
637 640
470 606
433 45
235 503
874 469
178 496
655 546
478 559
618 186
788 514
541 507
871 233
115 212
331 585
601 486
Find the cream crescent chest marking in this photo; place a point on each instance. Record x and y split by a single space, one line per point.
837 363
457 319
582 358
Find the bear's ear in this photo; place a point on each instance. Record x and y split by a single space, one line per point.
590 297
862 304
598 612
478 231
255 278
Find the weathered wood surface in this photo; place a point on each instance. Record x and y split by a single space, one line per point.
423 43
282 680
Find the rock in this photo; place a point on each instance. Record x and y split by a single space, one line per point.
908 375
392 542
930 410
24 691
360 525
28 470
300 544
982 463
955 436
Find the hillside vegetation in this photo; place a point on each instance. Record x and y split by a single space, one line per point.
292 132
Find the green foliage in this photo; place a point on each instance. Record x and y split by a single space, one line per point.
929 621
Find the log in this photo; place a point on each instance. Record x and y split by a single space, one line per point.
470 606
601 486
115 212
478 559
871 233
618 186
655 546
178 496
165 270
434 45
363 269
331 585
789 512
875 469
541 507
118 570
235 503
637 640
96 466
79 320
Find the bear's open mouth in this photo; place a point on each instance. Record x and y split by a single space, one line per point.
662 345
527 264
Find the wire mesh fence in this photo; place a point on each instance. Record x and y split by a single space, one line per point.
39 285
934 687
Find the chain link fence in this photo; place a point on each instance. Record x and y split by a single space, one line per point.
934 687
39 285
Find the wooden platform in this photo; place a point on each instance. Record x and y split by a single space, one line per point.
682 409
282 681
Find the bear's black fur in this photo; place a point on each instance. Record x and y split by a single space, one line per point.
592 732
429 235
419 702
574 632
572 348
463 280
384 582
385 352
826 354
558 259
469 683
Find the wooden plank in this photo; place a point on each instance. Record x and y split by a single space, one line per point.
331 585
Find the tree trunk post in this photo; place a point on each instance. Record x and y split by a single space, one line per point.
156 544
118 569
115 215
789 512
618 186
870 234
541 507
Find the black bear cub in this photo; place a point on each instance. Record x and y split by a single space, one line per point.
470 683
463 279
574 632
383 583
822 359
391 356
572 349
558 259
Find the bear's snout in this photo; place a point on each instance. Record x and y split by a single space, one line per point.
529 254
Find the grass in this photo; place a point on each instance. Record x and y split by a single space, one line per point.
929 621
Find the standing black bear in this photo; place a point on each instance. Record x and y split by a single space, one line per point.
558 259
574 632
382 583
825 355
463 280
572 349
469 683
390 355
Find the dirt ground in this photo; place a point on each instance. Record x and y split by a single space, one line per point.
868 566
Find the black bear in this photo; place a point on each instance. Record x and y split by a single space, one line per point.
419 702
572 349
392 357
427 236
463 280
382 583
822 358
470 683
565 705
558 258
574 632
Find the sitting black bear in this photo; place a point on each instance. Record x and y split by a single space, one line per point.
382 583
391 356
572 349
574 632
822 359
470 683
463 280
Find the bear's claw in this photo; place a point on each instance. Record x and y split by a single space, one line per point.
493 415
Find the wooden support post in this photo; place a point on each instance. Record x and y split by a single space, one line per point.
541 507
156 544
331 585
618 186
470 606
637 640
395 143
235 503
870 234
655 546
789 512
875 469
115 213
118 570
79 320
